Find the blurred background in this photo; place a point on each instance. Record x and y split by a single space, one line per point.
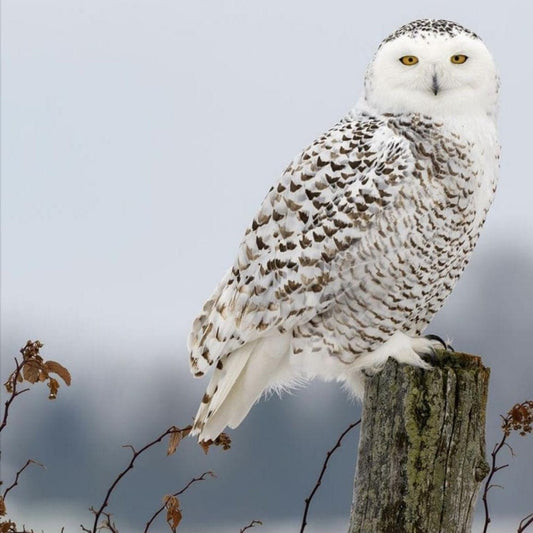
138 139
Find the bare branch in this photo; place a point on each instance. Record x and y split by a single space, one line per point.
162 508
133 450
11 386
252 524
488 485
323 471
15 483
98 513
524 523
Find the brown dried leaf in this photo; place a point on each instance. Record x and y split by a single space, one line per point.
53 384
30 352
519 418
32 371
174 515
2 506
222 440
60 370
174 440
9 385
176 437
6 527
205 444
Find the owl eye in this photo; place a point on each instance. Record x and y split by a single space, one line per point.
409 60
458 59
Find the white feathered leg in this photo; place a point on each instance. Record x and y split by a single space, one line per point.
238 382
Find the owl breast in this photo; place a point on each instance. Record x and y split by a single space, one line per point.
410 259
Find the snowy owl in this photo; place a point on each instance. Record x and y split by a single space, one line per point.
360 241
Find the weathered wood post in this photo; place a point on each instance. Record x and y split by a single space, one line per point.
422 447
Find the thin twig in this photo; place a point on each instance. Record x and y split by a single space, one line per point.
13 380
108 524
524 523
162 508
15 483
252 524
98 513
488 485
323 471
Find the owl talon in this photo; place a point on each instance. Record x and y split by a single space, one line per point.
372 371
445 345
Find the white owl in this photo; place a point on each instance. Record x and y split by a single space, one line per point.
357 245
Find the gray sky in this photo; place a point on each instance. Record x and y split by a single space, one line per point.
138 139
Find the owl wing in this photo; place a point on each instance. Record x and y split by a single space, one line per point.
287 268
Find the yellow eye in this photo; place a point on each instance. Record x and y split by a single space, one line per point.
409 60
458 59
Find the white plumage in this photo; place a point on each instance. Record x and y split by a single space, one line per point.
357 245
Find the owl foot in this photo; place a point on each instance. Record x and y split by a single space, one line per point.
413 350
403 348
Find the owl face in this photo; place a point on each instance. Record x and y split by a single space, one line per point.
432 73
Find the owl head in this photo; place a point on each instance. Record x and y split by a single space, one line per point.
435 68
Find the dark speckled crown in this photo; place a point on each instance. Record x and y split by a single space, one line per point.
421 28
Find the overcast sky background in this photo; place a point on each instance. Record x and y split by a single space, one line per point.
138 139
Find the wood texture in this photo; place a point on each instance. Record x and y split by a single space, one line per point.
422 447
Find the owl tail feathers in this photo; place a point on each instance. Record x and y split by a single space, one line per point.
238 382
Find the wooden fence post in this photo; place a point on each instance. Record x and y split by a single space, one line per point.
422 447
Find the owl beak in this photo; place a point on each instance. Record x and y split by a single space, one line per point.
435 84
